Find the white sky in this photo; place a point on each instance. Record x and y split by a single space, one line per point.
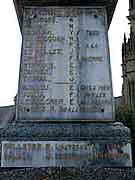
10 47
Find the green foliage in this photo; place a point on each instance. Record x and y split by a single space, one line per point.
126 115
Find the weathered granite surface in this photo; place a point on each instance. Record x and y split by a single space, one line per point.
94 133
66 131
67 174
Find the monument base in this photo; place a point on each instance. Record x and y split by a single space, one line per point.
102 165
27 145
67 174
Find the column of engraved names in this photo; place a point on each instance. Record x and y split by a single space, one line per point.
89 92
95 91
37 71
73 65
55 54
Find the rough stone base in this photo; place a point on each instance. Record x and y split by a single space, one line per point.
67 174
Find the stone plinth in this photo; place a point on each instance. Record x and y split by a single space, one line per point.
66 145
67 173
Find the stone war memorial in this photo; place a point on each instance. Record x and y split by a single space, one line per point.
64 126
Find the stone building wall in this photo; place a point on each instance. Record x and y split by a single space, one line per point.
128 60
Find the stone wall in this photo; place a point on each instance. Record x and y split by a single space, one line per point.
7 114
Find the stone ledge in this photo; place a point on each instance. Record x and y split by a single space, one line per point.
66 131
67 174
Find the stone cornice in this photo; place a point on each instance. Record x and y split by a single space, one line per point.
131 15
66 131
128 72
109 4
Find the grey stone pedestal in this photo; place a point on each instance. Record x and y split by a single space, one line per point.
112 133
65 85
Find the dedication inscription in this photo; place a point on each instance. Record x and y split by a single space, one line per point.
65 154
65 68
